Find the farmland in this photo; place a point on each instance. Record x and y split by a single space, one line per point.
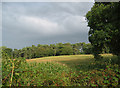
72 61
70 70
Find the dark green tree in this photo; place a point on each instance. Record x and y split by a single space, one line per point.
15 53
87 48
75 49
6 51
104 23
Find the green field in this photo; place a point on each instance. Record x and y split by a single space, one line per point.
72 70
76 62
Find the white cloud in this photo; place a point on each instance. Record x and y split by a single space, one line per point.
75 24
42 26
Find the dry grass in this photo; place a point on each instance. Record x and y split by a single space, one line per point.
72 61
64 58
60 58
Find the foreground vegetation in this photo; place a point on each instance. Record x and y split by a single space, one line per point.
75 70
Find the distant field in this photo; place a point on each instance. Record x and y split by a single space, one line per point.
61 58
64 58
76 62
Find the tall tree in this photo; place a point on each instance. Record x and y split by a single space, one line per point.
104 23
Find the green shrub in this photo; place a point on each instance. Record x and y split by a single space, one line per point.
17 72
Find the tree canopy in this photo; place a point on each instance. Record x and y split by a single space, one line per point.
104 23
48 50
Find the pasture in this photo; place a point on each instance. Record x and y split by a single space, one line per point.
76 62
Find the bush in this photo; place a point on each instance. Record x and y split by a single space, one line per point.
16 72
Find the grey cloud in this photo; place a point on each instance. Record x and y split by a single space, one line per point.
52 10
33 23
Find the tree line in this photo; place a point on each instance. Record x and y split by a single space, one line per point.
49 50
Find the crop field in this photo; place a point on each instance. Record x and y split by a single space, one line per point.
72 70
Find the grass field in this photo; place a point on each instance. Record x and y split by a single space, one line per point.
71 70
76 62
65 58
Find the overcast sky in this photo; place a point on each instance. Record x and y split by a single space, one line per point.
28 23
